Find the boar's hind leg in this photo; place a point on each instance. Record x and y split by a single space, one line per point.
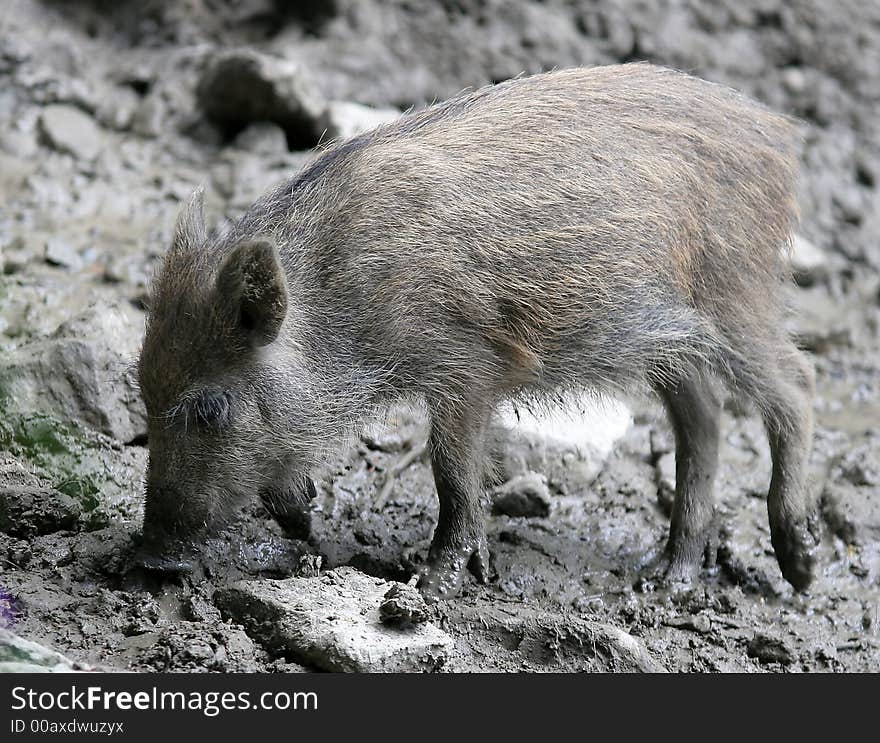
694 412
456 442
780 380
785 396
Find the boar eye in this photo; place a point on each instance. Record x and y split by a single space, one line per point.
213 409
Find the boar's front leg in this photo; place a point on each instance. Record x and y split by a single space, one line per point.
288 500
694 412
456 443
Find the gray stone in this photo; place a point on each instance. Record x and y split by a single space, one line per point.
821 322
767 649
523 496
61 253
18 655
148 118
403 605
561 642
197 609
808 262
81 373
117 108
343 119
567 444
847 503
242 86
71 130
28 510
262 138
332 622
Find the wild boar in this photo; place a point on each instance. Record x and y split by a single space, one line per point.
615 229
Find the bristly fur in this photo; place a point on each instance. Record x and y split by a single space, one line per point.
603 228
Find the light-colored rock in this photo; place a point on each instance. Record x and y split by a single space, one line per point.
332 622
568 443
71 130
18 655
821 322
524 496
562 642
149 116
59 252
80 373
262 138
808 262
344 119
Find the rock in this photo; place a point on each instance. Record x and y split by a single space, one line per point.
117 108
61 253
148 118
524 496
183 647
846 504
242 176
860 466
568 444
71 130
625 650
849 203
403 605
18 655
794 80
556 642
333 623
242 86
768 649
820 322
63 458
80 373
28 510
808 262
309 566
262 138
197 609
695 623
343 119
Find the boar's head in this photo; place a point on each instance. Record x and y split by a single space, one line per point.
215 384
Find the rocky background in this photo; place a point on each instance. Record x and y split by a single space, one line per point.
112 112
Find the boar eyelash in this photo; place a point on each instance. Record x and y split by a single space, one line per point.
212 409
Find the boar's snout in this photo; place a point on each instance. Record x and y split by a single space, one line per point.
160 563
162 546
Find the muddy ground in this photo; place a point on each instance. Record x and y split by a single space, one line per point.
110 117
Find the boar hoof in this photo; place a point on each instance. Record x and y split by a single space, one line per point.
795 548
442 577
667 572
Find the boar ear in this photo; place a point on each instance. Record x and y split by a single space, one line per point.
190 231
253 283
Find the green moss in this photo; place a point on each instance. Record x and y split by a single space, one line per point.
103 478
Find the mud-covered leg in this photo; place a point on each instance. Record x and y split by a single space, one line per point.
694 412
789 420
288 501
459 542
